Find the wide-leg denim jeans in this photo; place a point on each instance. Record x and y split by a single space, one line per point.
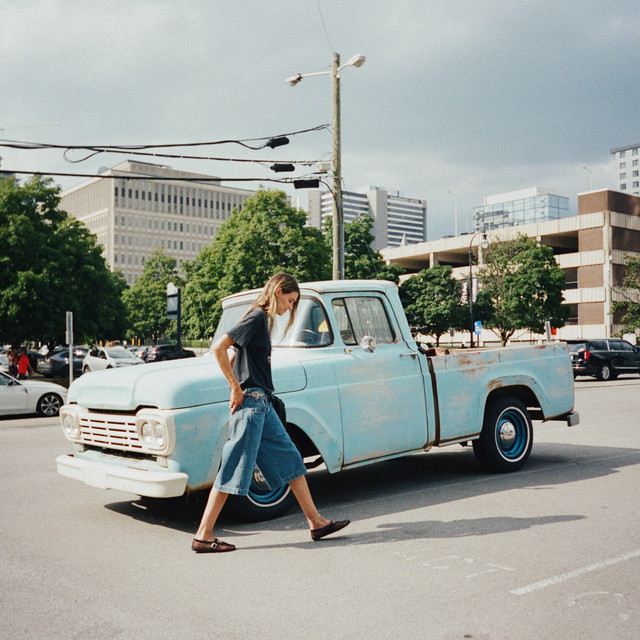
257 438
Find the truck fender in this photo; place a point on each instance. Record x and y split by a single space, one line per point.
525 388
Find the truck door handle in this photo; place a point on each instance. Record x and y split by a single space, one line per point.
409 355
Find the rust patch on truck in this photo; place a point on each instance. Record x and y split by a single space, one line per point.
495 384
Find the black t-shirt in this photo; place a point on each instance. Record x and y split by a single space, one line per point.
252 365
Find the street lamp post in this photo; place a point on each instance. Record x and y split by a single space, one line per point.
337 244
484 245
590 176
338 214
455 215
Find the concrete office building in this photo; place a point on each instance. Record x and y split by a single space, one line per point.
627 168
590 248
146 206
397 220
516 208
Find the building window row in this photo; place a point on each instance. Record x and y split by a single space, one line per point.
136 222
634 152
220 207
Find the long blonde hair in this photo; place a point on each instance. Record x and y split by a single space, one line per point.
268 302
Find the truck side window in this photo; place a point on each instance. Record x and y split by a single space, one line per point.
344 325
310 327
362 316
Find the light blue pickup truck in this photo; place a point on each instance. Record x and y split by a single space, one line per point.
357 387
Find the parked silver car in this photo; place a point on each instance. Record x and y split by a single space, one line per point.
108 358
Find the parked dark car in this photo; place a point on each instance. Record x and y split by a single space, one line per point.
604 359
35 358
57 364
167 352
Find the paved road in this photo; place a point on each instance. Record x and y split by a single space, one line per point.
437 549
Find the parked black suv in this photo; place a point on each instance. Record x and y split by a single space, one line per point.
605 359
167 352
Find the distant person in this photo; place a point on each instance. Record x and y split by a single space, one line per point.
13 363
257 436
24 366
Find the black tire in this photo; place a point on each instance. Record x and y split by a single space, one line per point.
49 405
604 373
262 503
86 369
507 436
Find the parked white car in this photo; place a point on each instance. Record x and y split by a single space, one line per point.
30 396
108 358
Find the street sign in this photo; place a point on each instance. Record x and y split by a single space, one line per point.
173 308
173 301
477 327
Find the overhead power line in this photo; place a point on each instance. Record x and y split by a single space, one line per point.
300 183
267 142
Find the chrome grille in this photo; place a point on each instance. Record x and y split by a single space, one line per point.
110 431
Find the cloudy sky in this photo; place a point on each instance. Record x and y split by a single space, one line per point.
474 97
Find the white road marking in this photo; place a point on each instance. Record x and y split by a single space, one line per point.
542 584
494 568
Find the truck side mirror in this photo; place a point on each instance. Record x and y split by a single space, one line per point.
368 343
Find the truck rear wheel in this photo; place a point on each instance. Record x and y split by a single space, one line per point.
262 503
507 436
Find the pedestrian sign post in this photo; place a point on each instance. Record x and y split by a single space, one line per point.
174 308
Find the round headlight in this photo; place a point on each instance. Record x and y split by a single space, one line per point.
147 432
70 426
158 435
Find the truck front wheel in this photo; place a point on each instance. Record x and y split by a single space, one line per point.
262 503
507 436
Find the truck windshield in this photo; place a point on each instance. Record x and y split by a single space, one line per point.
309 329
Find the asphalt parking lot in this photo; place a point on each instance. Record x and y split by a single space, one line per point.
437 548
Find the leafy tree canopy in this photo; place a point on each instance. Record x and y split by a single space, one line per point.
522 287
49 264
146 300
264 237
629 306
432 301
361 262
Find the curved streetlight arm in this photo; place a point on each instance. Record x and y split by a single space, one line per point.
355 61
293 80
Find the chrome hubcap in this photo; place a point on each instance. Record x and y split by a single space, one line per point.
507 434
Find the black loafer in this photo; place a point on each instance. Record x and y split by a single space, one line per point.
211 546
332 527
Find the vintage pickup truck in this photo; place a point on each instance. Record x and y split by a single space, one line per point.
357 388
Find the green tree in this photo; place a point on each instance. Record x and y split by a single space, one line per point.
629 306
264 237
146 300
432 300
49 264
361 262
522 287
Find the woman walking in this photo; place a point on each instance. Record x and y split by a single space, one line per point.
257 437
